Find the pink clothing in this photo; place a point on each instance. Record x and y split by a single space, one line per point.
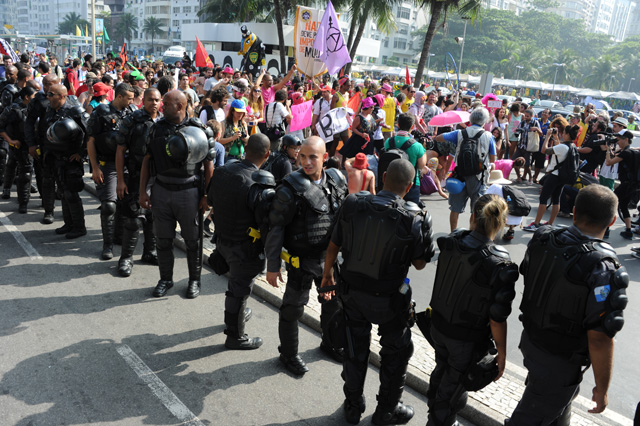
269 95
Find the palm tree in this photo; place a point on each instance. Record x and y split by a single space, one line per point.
152 27
127 25
438 9
69 22
604 73
230 11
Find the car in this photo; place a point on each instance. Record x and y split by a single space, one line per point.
625 113
549 104
526 100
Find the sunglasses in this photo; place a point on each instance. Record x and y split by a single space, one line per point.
413 91
257 90
50 95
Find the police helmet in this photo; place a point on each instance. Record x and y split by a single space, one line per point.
454 186
290 140
9 94
188 145
64 135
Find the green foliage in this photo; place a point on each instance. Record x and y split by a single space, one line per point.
127 25
69 22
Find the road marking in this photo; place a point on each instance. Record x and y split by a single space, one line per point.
159 389
26 245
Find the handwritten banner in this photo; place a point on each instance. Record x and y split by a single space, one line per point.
304 34
301 116
335 121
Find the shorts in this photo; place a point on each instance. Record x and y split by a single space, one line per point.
521 152
474 189
539 158
552 188
343 136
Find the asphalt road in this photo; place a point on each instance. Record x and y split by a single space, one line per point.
80 345
624 392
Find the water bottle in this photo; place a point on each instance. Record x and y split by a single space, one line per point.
404 288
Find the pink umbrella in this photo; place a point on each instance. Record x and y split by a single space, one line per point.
449 118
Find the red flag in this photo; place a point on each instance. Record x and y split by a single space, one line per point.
202 59
341 73
123 54
408 77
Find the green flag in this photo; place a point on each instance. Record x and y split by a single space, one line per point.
105 36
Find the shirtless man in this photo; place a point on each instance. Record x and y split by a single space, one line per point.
360 179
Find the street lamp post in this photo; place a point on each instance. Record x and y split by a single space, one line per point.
460 40
518 68
553 92
429 63
629 88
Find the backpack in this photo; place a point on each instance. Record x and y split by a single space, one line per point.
516 200
469 155
392 154
568 170
634 170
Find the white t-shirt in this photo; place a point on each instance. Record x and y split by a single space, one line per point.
209 83
275 113
377 135
560 152
321 107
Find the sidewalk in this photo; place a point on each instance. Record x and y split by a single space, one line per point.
489 407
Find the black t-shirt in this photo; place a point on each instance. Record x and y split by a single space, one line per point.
625 167
596 157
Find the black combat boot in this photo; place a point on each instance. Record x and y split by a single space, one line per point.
165 264
236 336
118 229
288 332
353 409
77 217
48 200
107 221
129 242
194 264
149 254
68 220
23 187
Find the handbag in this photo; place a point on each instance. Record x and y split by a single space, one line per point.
272 132
533 142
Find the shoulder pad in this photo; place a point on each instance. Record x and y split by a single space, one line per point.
195 122
605 249
412 207
336 177
299 183
361 194
103 109
459 233
132 108
499 251
262 177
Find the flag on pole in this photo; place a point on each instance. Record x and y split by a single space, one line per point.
6 49
78 32
330 43
123 54
105 36
408 77
202 59
86 31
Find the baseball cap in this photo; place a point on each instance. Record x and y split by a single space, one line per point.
238 106
624 134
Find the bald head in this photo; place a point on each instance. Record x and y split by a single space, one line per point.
11 73
175 106
313 154
316 142
57 95
257 149
48 81
34 84
399 177
58 89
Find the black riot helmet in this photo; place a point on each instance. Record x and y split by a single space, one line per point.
64 135
9 94
290 140
189 145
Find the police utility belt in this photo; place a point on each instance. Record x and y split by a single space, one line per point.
177 186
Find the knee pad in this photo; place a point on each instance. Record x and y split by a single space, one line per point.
107 208
192 245
132 224
291 313
3 154
164 243
71 196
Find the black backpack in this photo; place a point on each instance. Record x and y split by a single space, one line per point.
516 200
568 170
392 154
469 160
634 169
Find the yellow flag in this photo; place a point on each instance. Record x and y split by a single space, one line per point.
78 33
86 31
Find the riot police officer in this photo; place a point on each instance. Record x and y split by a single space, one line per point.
373 289
470 303
101 147
238 193
559 339
179 154
8 91
280 164
12 121
132 147
301 218
35 135
66 123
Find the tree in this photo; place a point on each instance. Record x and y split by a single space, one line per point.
604 73
152 27
69 23
127 25
441 8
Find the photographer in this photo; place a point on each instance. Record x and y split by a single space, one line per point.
594 148
235 130
624 157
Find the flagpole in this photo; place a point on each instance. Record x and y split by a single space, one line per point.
93 29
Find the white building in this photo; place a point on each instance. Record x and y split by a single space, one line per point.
513 5
621 19
36 17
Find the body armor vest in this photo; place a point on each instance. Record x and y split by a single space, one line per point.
36 112
230 186
163 164
104 128
316 205
463 288
15 123
555 292
71 109
377 243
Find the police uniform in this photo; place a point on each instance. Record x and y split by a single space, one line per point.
8 92
238 193
554 342
279 165
301 218
68 173
474 284
35 135
175 197
12 121
379 237
103 127
132 134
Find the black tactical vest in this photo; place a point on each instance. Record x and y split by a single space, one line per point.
230 186
15 122
377 243
462 291
309 233
163 164
104 123
71 109
555 292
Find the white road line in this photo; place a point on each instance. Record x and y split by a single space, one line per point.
26 245
159 389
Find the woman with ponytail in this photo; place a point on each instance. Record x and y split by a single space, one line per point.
471 300
557 148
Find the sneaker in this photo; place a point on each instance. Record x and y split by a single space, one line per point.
627 235
518 180
533 227
635 249
6 194
564 214
636 255
636 230
508 236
